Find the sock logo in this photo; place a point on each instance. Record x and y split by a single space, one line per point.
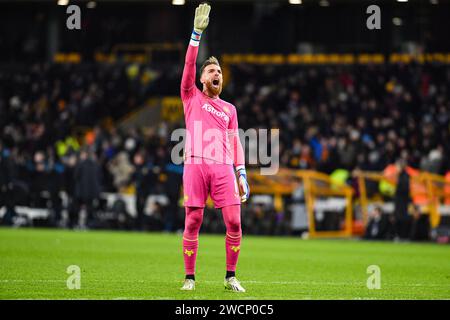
235 249
188 252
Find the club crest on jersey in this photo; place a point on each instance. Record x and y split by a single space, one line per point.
209 108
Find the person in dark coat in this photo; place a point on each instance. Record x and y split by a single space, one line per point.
87 177
173 186
55 185
144 178
378 225
38 168
7 175
70 162
420 225
401 201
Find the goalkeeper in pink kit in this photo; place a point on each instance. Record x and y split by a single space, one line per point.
210 167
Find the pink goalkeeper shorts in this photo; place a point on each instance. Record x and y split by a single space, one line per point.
215 179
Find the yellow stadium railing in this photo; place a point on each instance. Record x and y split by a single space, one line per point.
316 185
427 190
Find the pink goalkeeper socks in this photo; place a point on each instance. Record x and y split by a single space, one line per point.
193 222
190 247
232 218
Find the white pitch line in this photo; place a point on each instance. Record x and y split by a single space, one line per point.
31 280
62 280
310 283
307 283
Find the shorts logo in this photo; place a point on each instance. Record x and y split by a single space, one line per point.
188 252
235 249
209 108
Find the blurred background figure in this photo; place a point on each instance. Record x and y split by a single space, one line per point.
7 176
299 221
87 176
378 226
144 179
402 199
173 185
420 225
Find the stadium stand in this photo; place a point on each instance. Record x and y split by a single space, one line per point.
347 117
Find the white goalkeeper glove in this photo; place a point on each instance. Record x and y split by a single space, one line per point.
201 19
243 184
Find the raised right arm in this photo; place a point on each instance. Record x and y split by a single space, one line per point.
201 21
188 79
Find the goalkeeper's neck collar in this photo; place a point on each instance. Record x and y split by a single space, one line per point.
213 98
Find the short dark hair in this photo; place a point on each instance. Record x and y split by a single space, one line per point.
209 61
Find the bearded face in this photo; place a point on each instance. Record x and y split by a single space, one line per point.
212 79
214 86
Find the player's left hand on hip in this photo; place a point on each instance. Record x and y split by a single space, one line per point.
243 184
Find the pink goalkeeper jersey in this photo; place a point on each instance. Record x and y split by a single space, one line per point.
211 124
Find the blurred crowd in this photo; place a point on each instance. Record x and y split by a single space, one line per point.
45 112
359 116
331 117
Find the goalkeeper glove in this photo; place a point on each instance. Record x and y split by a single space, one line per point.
201 18
243 184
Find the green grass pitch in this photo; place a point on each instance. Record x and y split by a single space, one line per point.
126 265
